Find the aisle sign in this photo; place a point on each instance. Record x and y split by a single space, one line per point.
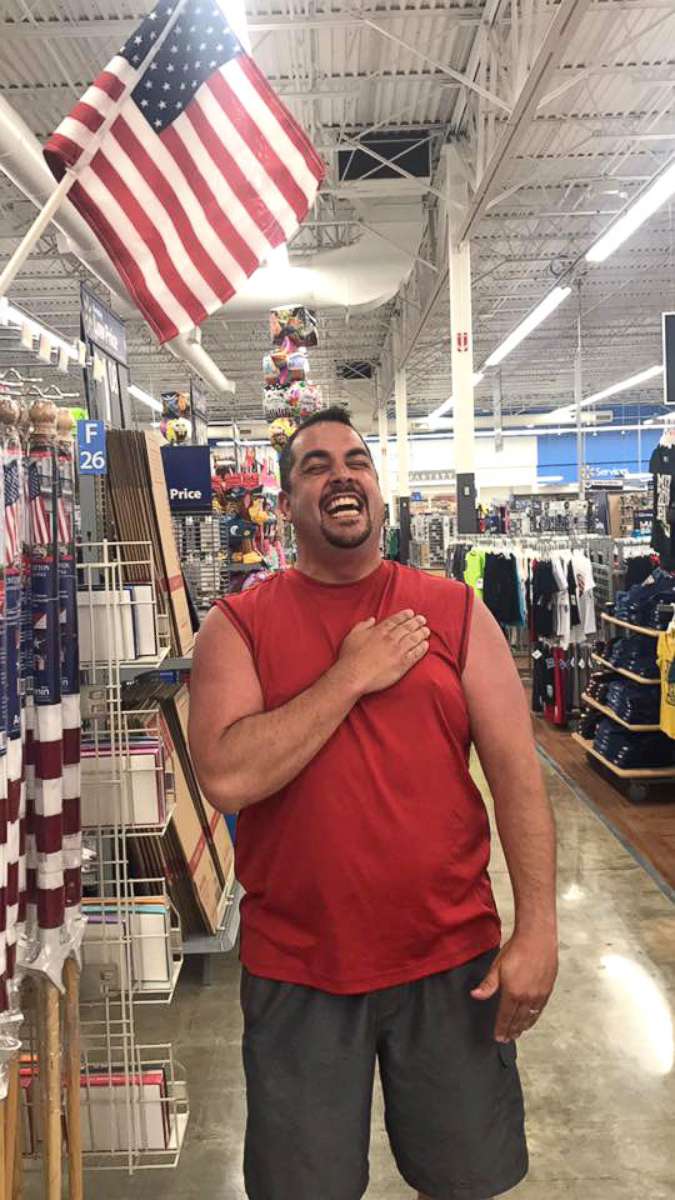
91 448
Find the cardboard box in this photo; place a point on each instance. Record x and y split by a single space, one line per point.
172 580
220 842
192 837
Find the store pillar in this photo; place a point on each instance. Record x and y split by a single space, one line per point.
461 331
383 435
403 452
578 397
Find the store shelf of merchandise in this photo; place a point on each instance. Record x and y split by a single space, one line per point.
622 671
633 628
608 712
653 773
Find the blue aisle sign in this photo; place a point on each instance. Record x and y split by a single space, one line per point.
187 470
91 448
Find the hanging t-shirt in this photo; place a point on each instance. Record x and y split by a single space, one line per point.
561 600
583 571
662 465
665 655
474 572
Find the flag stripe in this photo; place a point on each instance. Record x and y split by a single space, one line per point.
187 136
146 235
215 215
256 177
157 229
163 323
263 148
231 173
168 213
84 114
112 84
175 189
270 100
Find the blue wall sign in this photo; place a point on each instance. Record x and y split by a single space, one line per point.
187 470
607 455
91 448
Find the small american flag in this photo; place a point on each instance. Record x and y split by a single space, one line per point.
189 168
12 511
40 531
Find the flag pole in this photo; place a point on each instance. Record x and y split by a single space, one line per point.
35 232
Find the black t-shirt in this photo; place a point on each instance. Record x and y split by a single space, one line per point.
662 464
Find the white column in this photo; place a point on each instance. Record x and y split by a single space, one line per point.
461 330
578 397
462 358
402 447
383 434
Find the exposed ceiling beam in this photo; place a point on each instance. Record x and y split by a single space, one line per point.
325 85
563 28
122 26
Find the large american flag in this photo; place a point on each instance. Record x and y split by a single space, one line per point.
189 168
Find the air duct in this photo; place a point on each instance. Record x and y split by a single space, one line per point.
359 277
22 161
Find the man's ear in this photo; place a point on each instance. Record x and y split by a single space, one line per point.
284 505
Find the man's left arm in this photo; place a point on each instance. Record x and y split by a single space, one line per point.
501 728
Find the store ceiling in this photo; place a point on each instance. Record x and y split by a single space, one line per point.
599 124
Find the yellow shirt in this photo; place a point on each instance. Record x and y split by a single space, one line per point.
666 659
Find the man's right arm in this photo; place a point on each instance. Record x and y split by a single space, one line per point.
243 754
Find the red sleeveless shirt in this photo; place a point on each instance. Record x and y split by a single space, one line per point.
370 868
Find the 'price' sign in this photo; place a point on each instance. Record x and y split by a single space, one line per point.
91 448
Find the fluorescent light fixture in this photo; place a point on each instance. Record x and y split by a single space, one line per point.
539 314
624 385
9 315
443 408
144 398
644 207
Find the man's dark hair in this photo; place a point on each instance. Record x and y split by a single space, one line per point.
331 416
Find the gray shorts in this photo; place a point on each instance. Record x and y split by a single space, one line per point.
453 1100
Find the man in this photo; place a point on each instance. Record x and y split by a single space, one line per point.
333 708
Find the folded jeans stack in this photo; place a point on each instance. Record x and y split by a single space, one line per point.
641 604
634 703
633 751
636 653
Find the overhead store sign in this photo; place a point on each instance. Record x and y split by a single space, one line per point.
101 326
669 358
187 470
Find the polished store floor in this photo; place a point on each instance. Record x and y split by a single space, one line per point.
599 1071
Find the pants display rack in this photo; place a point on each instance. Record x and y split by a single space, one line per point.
627 724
